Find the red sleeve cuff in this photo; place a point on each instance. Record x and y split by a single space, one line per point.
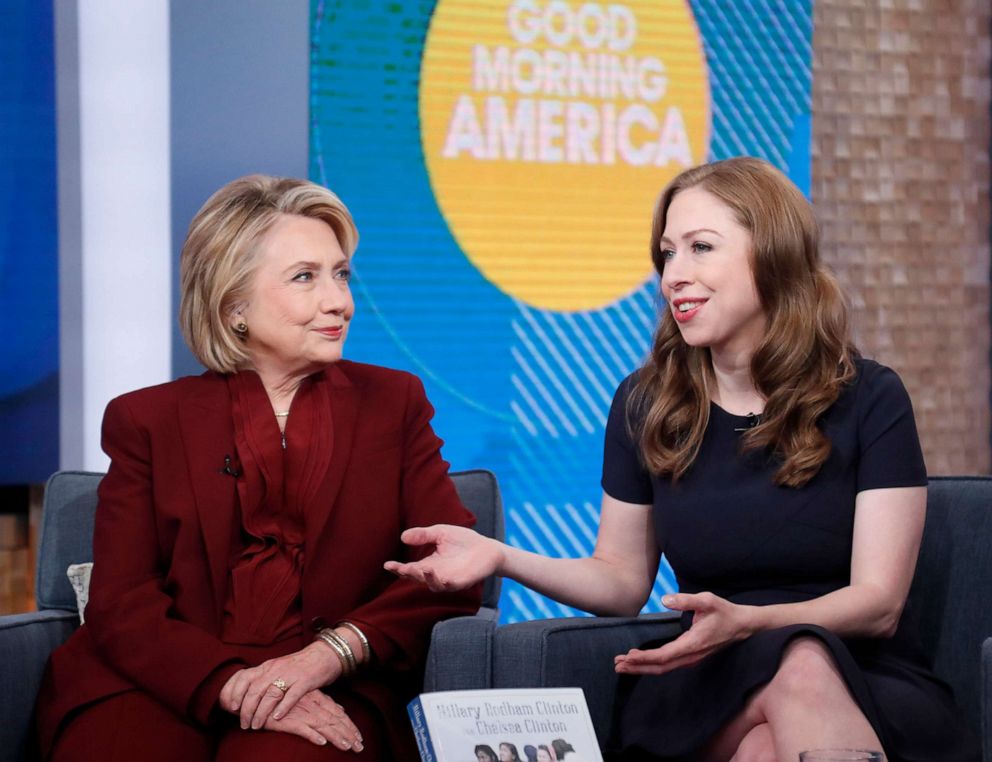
203 704
383 648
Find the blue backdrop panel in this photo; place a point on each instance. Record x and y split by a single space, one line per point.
29 324
520 389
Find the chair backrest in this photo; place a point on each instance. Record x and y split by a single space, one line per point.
66 535
70 506
479 492
948 604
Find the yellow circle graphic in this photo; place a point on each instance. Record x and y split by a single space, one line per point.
549 128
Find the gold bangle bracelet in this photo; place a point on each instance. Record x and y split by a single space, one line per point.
346 668
366 648
341 648
349 654
336 649
346 647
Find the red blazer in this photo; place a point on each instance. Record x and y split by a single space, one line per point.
164 525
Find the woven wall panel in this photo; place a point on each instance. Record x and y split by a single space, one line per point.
901 137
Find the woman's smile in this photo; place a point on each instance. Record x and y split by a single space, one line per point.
331 332
685 309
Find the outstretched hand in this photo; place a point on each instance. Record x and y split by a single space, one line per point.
461 557
715 624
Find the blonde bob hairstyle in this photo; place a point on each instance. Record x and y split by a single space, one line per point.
218 260
800 365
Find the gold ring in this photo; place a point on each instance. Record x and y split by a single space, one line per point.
281 684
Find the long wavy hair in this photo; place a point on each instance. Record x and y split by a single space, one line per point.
801 364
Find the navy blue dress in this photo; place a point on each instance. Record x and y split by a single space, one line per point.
728 529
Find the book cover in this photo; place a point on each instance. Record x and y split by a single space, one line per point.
525 724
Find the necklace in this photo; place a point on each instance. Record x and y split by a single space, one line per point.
283 415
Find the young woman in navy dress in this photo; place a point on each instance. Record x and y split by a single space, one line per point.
780 474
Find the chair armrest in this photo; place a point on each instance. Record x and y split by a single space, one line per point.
26 641
460 654
985 704
575 652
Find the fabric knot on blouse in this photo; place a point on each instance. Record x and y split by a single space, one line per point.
276 491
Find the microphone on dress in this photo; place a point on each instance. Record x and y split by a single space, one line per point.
752 419
228 469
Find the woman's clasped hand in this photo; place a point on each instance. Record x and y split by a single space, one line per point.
315 716
275 686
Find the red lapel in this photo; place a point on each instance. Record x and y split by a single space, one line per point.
208 436
345 398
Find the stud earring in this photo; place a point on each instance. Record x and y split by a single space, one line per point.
241 328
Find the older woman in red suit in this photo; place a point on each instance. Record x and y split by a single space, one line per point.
238 607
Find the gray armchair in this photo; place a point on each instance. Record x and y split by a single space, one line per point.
26 640
950 605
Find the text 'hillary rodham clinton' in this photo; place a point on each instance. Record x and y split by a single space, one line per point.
503 709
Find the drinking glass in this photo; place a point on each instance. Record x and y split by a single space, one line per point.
841 755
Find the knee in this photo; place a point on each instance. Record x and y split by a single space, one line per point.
807 673
757 746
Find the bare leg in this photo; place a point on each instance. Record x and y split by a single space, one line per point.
757 746
807 705
729 739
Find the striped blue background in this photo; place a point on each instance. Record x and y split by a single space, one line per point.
522 391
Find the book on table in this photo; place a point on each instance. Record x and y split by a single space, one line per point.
539 723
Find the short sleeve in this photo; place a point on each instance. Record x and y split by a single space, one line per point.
890 454
624 476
